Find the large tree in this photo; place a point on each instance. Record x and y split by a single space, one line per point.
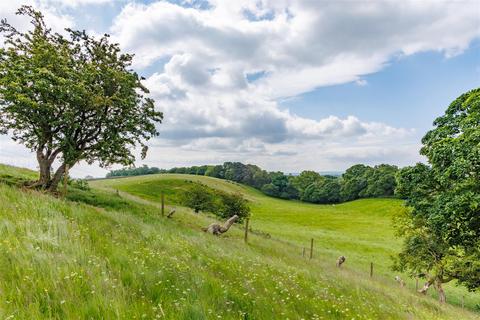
71 98
442 224
355 182
305 179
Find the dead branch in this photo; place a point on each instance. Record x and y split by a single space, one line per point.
218 229
170 213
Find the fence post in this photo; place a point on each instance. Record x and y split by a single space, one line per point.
463 301
303 253
246 230
311 249
371 269
163 204
65 181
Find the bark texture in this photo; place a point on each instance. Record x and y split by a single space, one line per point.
218 229
437 283
340 261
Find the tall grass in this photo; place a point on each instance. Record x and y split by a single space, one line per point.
115 258
360 230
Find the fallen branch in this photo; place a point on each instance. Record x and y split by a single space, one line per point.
170 214
217 229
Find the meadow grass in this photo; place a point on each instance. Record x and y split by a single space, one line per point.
99 255
361 230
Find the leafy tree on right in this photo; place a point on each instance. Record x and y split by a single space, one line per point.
441 223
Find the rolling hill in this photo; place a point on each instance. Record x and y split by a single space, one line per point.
99 254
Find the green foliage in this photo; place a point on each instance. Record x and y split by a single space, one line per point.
232 204
359 181
132 171
280 187
214 171
323 191
304 180
381 182
442 229
199 198
73 97
223 204
81 184
355 181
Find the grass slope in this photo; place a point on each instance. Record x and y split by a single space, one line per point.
361 230
103 256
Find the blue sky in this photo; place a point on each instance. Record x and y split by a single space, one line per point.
285 84
410 92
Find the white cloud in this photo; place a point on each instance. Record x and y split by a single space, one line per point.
306 44
214 113
294 47
77 3
55 19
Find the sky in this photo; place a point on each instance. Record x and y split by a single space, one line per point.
288 85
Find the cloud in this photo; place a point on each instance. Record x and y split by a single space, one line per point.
55 19
303 44
229 63
218 70
200 106
76 3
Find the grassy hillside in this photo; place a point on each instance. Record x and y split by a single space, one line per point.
360 230
113 257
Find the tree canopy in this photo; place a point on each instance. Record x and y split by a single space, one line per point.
442 224
71 98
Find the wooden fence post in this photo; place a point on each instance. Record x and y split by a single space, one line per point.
65 181
371 269
246 230
311 249
463 301
303 252
163 204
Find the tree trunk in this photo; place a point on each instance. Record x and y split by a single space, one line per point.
426 286
53 183
45 166
441 293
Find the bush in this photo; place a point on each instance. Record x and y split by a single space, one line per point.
81 184
222 204
199 198
231 204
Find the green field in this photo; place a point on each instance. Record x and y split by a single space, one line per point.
99 255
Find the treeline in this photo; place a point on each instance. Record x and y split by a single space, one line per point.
359 181
133 171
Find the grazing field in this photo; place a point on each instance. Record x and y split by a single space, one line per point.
360 230
99 255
